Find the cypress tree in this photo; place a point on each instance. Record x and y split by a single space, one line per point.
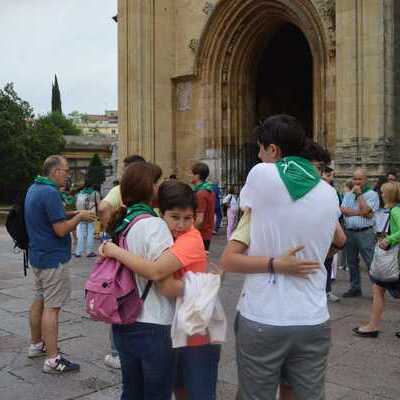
55 97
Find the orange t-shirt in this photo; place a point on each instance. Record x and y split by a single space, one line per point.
206 206
189 250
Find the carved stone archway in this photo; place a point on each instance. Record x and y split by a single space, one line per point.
228 55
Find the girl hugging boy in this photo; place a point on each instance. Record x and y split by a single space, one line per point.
196 374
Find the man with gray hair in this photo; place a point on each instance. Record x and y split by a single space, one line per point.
358 207
48 230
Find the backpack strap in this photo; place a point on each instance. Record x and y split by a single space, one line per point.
122 243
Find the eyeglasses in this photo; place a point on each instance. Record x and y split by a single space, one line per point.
66 170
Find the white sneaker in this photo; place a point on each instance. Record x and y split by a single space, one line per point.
35 351
112 361
332 298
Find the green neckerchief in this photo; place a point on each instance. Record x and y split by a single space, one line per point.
298 175
68 200
366 188
132 212
44 180
203 186
87 190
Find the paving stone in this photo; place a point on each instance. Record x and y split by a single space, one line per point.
358 369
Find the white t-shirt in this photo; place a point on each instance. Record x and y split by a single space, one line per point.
148 238
278 224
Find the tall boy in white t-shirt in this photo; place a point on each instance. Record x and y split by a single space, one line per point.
283 326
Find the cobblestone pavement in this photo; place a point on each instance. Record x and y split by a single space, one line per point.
367 369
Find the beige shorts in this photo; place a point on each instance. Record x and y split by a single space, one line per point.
53 285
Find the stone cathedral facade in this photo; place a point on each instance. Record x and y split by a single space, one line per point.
195 76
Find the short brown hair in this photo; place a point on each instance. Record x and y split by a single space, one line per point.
201 169
174 194
137 182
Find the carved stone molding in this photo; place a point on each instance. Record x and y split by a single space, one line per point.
327 10
194 45
208 8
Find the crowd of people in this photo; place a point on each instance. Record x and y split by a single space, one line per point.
286 231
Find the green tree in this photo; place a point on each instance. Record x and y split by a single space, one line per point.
61 122
55 97
96 171
24 143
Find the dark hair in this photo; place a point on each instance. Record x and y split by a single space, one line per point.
134 158
284 131
51 163
392 172
137 182
315 152
173 176
201 169
174 194
232 190
327 170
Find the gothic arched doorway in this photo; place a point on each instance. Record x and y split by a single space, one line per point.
259 58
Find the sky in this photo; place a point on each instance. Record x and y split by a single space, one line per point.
75 39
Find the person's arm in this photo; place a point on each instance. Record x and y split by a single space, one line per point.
157 270
394 238
365 209
201 209
109 206
338 242
171 287
233 260
61 228
106 212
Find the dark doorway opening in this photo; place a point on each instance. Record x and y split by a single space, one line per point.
284 81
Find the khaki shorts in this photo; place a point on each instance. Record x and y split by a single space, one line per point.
53 285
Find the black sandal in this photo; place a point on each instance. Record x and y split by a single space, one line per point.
397 334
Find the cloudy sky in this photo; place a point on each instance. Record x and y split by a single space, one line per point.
76 39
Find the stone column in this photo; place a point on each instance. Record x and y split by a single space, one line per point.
136 78
360 80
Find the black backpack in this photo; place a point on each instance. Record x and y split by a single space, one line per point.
16 228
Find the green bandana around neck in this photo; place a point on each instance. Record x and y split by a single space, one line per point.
44 180
366 188
68 200
298 175
203 186
132 212
87 191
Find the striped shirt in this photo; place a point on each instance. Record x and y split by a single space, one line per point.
349 201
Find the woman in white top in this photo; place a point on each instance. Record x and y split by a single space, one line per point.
144 347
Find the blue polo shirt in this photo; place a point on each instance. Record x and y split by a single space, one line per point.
43 208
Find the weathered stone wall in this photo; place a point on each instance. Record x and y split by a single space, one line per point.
185 87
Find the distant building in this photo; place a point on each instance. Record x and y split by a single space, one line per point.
96 124
79 150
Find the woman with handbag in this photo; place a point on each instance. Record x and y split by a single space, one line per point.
388 241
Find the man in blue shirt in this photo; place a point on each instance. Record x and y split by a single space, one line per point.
48 229
358 208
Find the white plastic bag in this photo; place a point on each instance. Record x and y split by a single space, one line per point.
385 264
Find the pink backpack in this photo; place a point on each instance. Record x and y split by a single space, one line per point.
111 293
